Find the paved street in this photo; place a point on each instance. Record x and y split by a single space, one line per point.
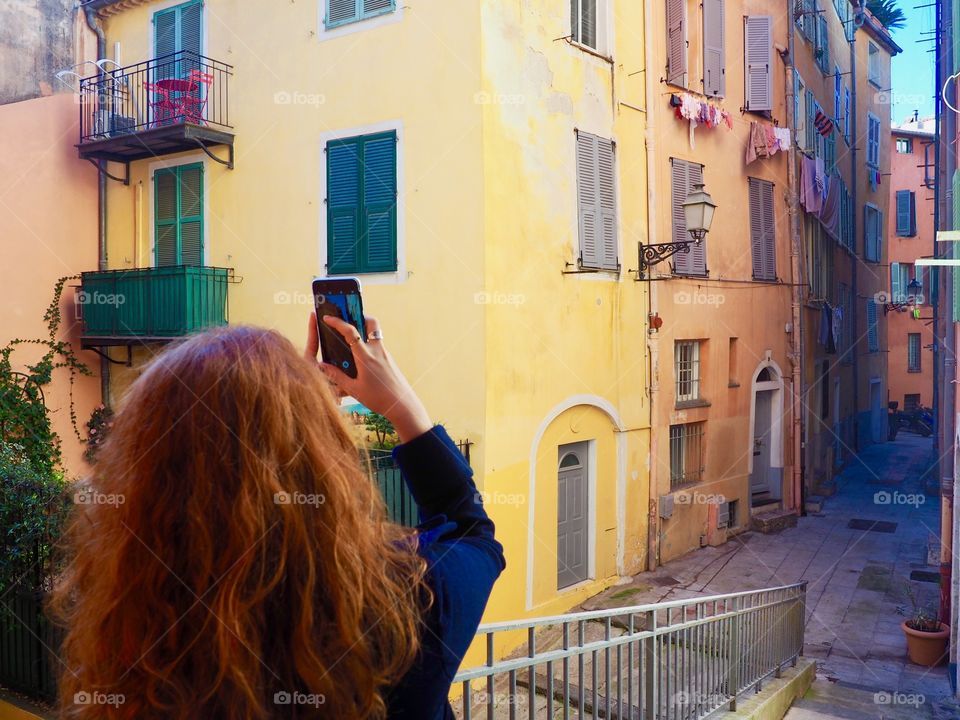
857 579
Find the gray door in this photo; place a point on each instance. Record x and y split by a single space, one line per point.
572 526
760 477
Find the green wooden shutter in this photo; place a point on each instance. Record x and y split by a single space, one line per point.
178 215
340 12
343 205
191 214
810 139
379 237
896 283
165 217
376 7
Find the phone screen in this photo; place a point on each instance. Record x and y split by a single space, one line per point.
339 297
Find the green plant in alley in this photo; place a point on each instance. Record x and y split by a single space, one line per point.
888 13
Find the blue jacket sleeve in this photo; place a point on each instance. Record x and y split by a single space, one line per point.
457 539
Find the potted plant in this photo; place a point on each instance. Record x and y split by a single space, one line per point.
927 637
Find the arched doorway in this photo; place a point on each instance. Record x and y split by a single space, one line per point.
766 436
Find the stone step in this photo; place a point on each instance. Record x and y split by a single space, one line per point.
773 521
826 488
814 503
849 701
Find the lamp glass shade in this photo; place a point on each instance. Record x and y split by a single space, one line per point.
698 210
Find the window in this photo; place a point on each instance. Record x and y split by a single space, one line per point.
846 115
758 62
846 331
825 389
837 94
762 230
873 141
799 107
806 22
906 213
178 215
177 29
686 454
913 352
362 204
596 202
911 402
899 282
676 41
918 276
820 261
905 146
830 152
714 61
928 157
872 233
873 64
873 338
822 46
686 360
341 12
732 364
683 176
727 514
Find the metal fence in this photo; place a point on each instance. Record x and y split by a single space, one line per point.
28 643
182 87
678 660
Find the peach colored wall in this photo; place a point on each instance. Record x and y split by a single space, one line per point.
907 174
48 225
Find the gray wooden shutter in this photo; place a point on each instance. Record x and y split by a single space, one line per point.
587 199
714 64
762 231
903 212
607 206
677 42
683 176
758 49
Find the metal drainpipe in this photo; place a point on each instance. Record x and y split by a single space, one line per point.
796 278
94 24
653 534
854 114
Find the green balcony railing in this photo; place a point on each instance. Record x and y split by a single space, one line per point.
161 303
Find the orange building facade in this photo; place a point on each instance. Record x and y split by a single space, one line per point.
910 236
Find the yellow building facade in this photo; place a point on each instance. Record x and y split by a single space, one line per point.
511 139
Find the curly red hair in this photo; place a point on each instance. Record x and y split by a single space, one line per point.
246 560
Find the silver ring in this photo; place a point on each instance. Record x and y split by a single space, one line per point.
375 334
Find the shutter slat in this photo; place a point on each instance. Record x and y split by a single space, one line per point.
698 251
379 202
769 244
678 193
756 228
714 70
676 42
191 28
341 11
896 286
373 7
607 202
343 205
758 50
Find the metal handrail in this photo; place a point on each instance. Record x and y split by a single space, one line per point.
674 660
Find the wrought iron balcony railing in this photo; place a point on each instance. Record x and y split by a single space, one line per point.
168 104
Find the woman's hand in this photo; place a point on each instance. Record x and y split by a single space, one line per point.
379 384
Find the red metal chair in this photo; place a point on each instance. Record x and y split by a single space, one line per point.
166 108
195 102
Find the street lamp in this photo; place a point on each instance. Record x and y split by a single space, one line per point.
698 211
913 291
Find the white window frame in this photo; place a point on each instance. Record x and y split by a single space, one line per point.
604 31
399 275
191 159
911 367
689 367
873 148
874 71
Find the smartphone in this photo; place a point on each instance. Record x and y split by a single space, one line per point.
339 297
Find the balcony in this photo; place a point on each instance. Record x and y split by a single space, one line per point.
166 105
129 307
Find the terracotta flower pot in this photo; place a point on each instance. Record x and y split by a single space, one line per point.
926 648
